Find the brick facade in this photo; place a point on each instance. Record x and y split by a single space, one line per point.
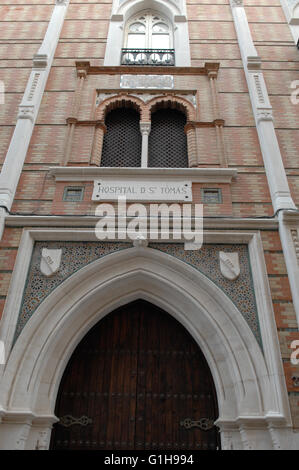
212 39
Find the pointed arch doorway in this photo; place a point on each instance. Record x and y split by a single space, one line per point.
132 384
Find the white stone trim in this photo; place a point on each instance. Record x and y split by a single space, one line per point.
276 176
250 388
29 107
275 171
175 12
198 175
287 223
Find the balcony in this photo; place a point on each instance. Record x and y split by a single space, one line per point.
148 57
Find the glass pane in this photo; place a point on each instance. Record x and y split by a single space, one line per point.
160 41
136 41
160 28
137 28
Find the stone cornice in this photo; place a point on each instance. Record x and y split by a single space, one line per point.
200 175
148 70
76 222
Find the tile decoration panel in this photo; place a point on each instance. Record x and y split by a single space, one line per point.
76 255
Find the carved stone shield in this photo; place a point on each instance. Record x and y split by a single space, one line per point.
50 261
229 265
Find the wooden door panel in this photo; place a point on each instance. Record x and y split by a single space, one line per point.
135 377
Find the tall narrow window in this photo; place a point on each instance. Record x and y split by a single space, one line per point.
122 141
148 40
167 140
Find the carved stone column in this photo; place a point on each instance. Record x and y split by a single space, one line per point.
145 128
71 122
219 123
190 131
96 154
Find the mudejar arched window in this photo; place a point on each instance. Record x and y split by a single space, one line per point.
148 40
122 141
167 140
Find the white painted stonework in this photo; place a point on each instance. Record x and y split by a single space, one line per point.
251 391
147 81
159 190
50 261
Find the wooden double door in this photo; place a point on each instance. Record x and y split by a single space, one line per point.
137 381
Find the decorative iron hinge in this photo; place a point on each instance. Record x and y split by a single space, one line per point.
69 420
204 423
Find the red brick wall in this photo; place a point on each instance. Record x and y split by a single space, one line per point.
212 38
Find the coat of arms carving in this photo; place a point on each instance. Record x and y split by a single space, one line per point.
229 265
50 261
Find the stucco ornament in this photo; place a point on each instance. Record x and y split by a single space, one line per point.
229 265
50 261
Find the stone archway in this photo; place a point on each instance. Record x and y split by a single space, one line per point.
39 357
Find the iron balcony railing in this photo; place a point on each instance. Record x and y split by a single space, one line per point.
147 57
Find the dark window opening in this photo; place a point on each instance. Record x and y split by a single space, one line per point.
167 140
122 141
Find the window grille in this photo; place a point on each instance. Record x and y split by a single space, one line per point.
167 140
211 196
122 141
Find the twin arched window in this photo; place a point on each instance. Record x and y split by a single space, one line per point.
148 40
167 146
148 30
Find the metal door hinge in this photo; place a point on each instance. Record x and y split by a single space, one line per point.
204 423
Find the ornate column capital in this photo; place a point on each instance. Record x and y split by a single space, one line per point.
190 125
145 128
101 125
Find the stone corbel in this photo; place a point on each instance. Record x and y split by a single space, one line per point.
116 17
180 18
